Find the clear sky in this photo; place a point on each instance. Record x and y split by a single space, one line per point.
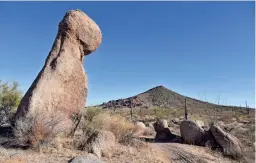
198 49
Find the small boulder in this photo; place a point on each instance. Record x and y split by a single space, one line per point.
140 124
160 125
85 159
149 131
191 132
230 145
139 129
200 123
166 135
101 141
163 133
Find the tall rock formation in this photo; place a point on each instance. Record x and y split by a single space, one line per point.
61 86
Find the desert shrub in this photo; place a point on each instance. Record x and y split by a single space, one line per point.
86 124
196 117
88 129
161 112
39 129
10 97
226 116
127 139
177 112
118 125
243 116
91 112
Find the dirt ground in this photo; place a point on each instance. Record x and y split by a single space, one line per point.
145 153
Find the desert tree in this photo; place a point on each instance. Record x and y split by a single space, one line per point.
10 97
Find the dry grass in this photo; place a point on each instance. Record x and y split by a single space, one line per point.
38 129
140 152
118 125
91 112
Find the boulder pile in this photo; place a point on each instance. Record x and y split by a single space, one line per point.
193 133
229 144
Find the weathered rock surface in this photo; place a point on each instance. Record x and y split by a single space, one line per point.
100 142
163 133
176 121
191 132
166 135
139 124
209 140
85 159
200 123
149 131
139 129
160 125
62 85
230 145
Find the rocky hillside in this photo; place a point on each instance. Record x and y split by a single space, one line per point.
160 96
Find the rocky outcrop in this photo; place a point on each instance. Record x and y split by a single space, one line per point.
230 145
62 85
124 103
191 132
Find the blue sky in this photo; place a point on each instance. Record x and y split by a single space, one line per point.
198 49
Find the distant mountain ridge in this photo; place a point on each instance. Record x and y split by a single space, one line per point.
160 96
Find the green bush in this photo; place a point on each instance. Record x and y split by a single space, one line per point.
161 112
92 112
177 112
10 97
118 125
